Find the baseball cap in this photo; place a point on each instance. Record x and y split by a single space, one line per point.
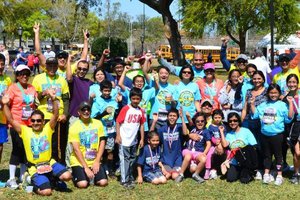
243 57
21 67
84 104
284 57
62 54
2 57
51 61
48 47
209 66
206 101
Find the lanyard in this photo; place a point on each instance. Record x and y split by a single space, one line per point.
152 157
48 80
209 89
297 106
87 144
170 139
25 97
192 143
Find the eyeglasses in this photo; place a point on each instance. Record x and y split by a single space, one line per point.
36 120
82 69
233 120
60 57
24 73
85 109
187 72
199 121
198 59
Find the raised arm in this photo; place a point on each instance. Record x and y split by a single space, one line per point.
224 142
122 78
37 46
69 70
14 123
55 102
163 62
84 53
291 107
223 55
146 68
185 130
105 53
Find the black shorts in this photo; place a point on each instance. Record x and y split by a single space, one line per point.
79 174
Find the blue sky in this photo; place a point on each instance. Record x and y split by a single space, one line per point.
135 8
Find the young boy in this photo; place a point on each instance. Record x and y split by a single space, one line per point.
130 120
106 109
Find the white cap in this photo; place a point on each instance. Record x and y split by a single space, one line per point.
22 67
48 47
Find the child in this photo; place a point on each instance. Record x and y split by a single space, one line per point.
216 151
196 149
149 160
273 114
130 120
105 108
170 136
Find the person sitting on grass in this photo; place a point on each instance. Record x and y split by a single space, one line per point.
149 162
37 142
196 149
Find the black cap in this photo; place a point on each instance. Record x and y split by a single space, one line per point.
284 57
84 104
118 61
52 61
2 57
62 54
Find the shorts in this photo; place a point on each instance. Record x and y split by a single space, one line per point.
43 181
194 154
150 176
79 174
171 170
3 134
110 142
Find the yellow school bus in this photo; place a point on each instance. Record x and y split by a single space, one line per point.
189 51
166 52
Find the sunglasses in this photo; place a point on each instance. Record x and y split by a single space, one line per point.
234 120
186 72
24 72
198 59
82 69
36 120
199 121
85 109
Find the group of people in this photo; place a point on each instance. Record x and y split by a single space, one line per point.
64 126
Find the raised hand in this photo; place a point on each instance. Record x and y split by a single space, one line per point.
36 27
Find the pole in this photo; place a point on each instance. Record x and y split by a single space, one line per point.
20 41
143 34
272 32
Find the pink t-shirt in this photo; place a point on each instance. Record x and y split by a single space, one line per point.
211 91
130 120
17 103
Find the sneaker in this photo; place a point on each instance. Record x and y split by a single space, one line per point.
285 167
267 178
295 179
258 175
197 178
128 186
2 184
206 175
12 184
213 174
61 185
278 180
26 180
179 178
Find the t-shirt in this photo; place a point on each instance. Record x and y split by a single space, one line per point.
95 89
171 140
30 59
43 82
108 121
205 136
5 82
130 119
149 159
79 92
211 91
215 132
127 81
186 95
272 116
20 105
38 145
280 79
88 137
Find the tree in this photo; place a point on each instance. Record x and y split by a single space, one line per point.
236 17
170 28
118 47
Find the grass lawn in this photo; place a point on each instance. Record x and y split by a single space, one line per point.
188 189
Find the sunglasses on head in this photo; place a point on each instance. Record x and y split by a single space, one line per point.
36 120
82 69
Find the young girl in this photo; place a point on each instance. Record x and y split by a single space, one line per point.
216 152
273 114
196 149
149 162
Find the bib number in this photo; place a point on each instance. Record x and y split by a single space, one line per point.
43 168
26 112
90 154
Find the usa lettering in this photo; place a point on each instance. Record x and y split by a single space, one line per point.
134 118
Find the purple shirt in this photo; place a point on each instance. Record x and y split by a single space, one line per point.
79 92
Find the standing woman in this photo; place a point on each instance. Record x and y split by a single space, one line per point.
273 114
22 103
210 86
229 98
187 94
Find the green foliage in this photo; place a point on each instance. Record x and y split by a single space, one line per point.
118 47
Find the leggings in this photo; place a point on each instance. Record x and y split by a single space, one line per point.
272 145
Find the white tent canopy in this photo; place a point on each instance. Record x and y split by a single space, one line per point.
291 40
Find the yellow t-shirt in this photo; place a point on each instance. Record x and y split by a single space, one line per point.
88 137
42 82
244 74
280 79
63 72
37 145
5 82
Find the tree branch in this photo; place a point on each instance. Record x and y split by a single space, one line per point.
153 4
230 35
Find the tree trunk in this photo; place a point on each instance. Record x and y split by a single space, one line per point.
242 44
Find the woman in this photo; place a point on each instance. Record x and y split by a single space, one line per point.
292 130
22 103
210 86
229 98
236 139
187 94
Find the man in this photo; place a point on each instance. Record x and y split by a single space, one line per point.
62 58
49 53
50 80
87 137
6 55
198 63
21 57
260 62
37 143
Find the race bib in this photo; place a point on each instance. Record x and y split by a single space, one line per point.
269 116
90 154
43 168
49 105
26 112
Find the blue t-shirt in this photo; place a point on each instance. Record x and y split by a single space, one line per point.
272 116
99 106
127 81
205 136
95 89
241 139
198 73
171 140
215 132
149 159
186 95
